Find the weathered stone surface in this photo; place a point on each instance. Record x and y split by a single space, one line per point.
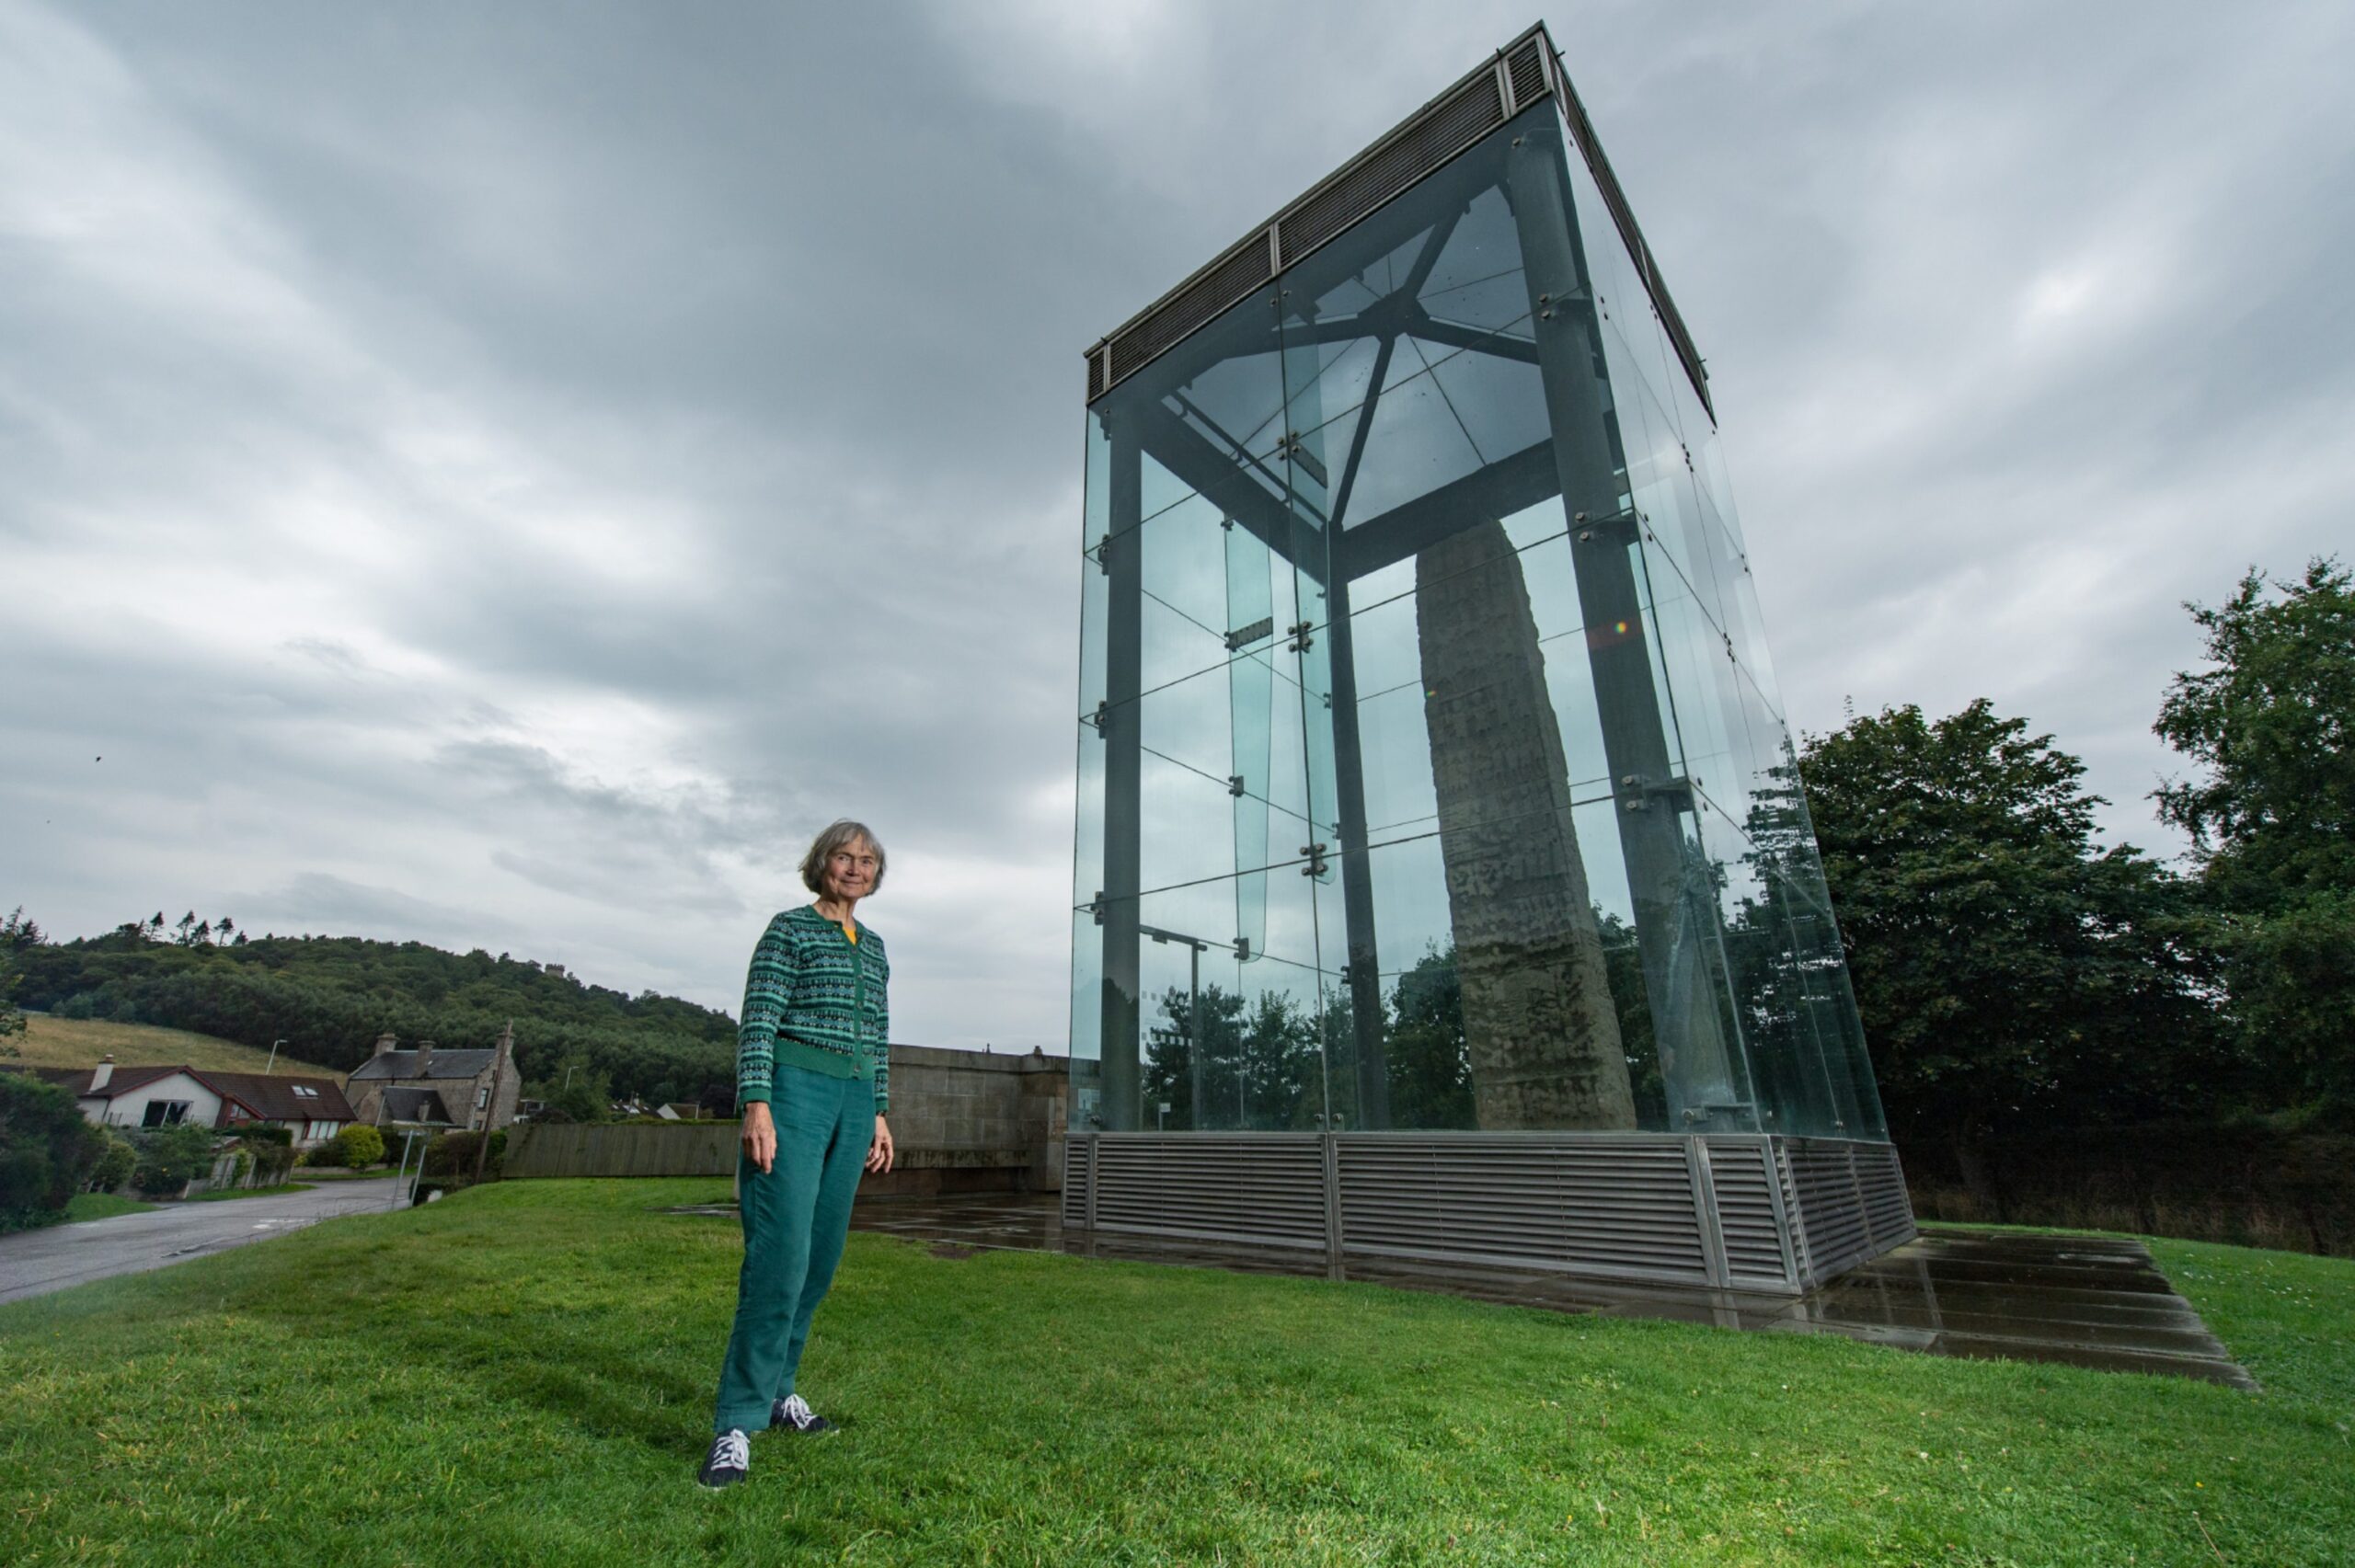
1539 1024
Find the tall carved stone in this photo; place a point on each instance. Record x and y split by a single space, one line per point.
1538 1018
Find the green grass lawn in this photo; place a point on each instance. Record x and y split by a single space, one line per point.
224 1194
102 1205
523 1374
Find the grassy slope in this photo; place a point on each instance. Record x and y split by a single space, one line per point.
523 1373
80 1042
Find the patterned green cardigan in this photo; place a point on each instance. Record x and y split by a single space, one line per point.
814 999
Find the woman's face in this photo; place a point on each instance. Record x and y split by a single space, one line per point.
850 870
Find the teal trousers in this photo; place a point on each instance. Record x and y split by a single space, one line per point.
796 1215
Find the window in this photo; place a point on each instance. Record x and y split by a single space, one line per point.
165 1113
482 1099
305 1092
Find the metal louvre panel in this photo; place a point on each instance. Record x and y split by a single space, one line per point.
1435 136
1267 1188
1526 66
1094 374
1889 1212
1779 1153
1229 281
1830 1208
1587 1205
1741 1175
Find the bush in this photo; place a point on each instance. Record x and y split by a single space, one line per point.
46 1149
360 1146
114 1164
328 1155
453 1154
271 1158
171 1157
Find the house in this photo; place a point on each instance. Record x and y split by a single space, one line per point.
431 1087
312 1109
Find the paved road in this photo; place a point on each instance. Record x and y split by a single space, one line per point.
33 1263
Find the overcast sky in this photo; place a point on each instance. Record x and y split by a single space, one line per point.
504 476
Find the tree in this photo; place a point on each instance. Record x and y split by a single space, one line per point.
2272 816
17 935
2011 974
1260 1061
1428 1063
18 932
46 1149
576 1093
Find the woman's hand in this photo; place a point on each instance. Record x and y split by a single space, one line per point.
879 1155
760 1135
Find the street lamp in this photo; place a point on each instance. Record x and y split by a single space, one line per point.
272 1064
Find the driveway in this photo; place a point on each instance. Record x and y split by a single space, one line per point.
33 1263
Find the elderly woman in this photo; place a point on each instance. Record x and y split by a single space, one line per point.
812 1074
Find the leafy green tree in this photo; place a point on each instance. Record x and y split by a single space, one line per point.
1260 1065
17 935
2271 816
2012 974
46 1151
1425 1052
575 1091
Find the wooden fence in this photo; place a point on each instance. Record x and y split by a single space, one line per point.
622 1149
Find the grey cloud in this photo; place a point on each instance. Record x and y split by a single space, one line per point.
544 462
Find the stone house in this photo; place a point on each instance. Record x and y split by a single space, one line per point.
431 1087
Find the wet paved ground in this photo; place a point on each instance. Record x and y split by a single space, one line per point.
33 1263
2085 1301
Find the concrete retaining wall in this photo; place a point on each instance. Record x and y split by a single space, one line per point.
964 1121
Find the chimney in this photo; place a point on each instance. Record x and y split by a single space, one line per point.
385 1042
103 1075
424 1058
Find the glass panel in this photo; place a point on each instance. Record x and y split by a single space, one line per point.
1086 1020
1095 596
1258 1068
1553 983
1394 857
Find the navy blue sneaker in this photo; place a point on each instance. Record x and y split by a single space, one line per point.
731 1455
793 1415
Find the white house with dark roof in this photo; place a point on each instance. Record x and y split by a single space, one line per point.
432 1087
312 1109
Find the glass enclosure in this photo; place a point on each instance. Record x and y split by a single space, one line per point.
1431 771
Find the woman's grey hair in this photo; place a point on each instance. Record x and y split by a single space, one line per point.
842 833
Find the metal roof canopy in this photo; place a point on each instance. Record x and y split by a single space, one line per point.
1519 75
